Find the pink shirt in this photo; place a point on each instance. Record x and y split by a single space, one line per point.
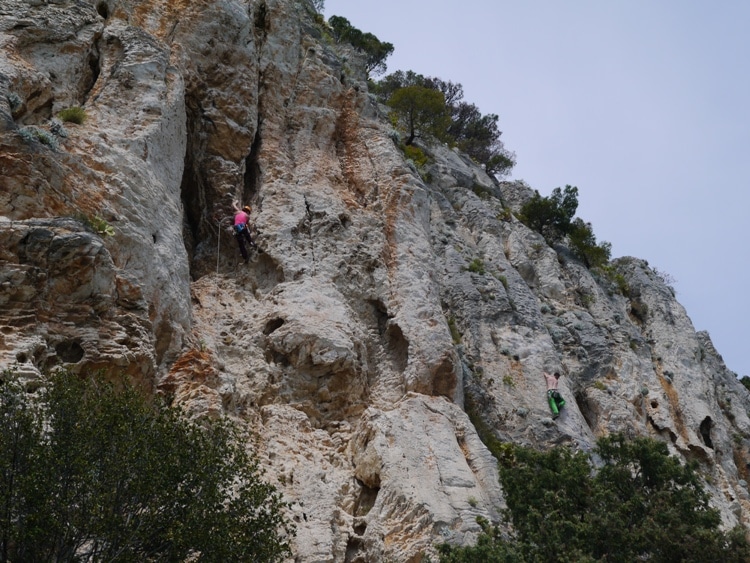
551 380
241 218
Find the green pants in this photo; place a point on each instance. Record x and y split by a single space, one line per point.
556 402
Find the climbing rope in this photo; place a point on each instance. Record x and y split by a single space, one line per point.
218 258
218 247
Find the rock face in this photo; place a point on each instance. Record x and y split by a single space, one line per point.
383 308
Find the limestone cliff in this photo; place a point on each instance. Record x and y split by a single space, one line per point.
357 341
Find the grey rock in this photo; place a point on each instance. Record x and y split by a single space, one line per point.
382 309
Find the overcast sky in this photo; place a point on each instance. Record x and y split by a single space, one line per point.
641 104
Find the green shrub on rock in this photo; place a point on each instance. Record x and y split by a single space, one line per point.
74 114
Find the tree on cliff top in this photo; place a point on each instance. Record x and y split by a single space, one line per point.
421 111
465 127
94 472
375 51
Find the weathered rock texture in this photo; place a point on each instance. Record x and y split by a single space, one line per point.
357 341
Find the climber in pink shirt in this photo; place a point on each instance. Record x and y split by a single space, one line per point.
242 228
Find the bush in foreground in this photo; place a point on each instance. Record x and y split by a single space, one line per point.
641 505
90 471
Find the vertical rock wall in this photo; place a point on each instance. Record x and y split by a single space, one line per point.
355 343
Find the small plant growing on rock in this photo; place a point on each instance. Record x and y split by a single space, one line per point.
505 215
476 266
73 114
588 299
616 278
667 279
415 154
481 191
14 101
102 227
455 334
97 224
33 134
503 280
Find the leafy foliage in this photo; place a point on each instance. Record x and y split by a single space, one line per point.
583 244
96 224
74 114
551 216
415 154
476 266
465 127
375 51
90 472
490 548
420 110
640 505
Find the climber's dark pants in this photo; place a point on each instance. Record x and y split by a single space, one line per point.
242 237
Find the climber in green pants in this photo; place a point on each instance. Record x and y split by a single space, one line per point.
556 402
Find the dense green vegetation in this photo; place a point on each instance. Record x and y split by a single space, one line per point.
375 51
431 108
553 218
426 107
641 504
91 471
421 111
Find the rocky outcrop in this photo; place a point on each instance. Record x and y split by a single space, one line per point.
386 304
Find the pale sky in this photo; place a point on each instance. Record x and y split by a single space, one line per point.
641 104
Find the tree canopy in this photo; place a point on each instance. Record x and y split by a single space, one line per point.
91 471
641 504
421 110
554 218
551 216
376 52
455 121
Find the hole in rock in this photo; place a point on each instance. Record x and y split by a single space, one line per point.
355 551
587 410
398 347
366 499
70 351
272 325
705 430
102 9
